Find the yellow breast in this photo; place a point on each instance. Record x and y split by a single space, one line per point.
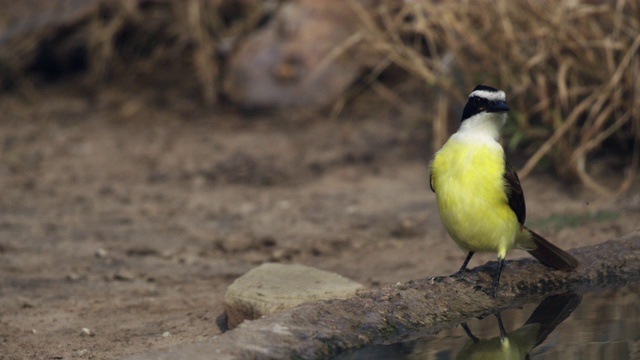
467 177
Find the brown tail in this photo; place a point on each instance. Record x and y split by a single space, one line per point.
550 254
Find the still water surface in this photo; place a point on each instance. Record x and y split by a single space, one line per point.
596 325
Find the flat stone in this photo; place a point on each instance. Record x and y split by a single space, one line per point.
272 287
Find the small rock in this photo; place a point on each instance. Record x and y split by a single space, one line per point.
101 253
237 243
123 275
73 277
272 287
405 228
80 353
166 334
87 332
280 254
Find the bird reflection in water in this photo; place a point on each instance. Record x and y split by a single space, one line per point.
518 344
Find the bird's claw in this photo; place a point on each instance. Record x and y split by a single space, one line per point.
460 276
491 291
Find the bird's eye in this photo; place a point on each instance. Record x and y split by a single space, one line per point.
480 102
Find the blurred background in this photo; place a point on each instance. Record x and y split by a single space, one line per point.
153 151
570 69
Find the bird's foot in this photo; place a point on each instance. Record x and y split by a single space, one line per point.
466 329
461 276
491 290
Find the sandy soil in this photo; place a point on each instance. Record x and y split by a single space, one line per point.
130 222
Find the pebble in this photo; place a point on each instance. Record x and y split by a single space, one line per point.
123 275
101 253
73 277
81 352
87 332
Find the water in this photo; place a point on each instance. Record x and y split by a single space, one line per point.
598 325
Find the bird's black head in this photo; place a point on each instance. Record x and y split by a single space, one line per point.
484 99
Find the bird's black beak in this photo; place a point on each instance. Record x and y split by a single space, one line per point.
497 106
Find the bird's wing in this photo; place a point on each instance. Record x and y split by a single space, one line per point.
515 196
431 182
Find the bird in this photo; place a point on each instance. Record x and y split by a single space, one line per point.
478 193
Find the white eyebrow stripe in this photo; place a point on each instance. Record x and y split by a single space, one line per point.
489 95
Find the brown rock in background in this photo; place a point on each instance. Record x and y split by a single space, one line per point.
303 57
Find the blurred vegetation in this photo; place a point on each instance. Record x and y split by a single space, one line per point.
561 221
571 69
134 42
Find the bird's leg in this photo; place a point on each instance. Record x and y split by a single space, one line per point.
458 275
496 281
469 333
503 332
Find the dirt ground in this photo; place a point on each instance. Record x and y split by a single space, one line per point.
122 225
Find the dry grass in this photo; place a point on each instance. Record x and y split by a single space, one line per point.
570 68
161 43
197 32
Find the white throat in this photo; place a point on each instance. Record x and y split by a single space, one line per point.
483 125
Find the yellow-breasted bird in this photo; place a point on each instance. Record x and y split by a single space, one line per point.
478 192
